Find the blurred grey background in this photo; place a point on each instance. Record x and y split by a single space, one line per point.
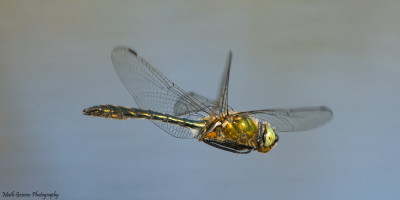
55 61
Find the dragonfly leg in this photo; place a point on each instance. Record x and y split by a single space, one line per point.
229 146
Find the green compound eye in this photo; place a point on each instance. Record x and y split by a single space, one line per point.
269 137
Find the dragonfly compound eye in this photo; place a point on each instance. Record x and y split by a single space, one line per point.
270 138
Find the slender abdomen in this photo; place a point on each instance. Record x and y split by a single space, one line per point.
121 113
110 111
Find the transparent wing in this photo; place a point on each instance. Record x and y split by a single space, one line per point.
151 90
294 119
222 103
183 107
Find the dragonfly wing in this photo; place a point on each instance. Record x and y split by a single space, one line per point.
222 104
183 107
294 119
177 131
151 90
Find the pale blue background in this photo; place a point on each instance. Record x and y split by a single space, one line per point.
55 61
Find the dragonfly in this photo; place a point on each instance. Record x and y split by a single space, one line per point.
189 115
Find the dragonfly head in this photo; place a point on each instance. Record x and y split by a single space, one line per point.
268 139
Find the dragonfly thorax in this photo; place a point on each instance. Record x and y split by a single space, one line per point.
239 134
234 132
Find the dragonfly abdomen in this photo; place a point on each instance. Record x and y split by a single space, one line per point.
122 113
110 111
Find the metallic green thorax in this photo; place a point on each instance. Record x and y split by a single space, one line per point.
236 129
242 127
121 113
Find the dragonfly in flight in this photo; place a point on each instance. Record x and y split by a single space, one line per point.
189 115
